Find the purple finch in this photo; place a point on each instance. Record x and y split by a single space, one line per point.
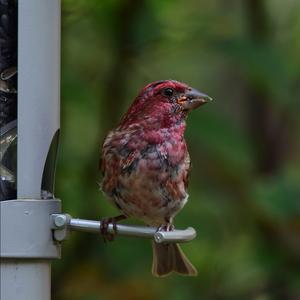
145 164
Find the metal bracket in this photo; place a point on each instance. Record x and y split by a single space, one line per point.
60 227
24 229
63 224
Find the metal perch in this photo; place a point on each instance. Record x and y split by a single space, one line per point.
64 223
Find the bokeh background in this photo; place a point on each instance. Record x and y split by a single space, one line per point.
245 182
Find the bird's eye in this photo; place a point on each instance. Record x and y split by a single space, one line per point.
168 92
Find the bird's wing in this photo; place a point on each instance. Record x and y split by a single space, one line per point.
187 167
116 158
175 186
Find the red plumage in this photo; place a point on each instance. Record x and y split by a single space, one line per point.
145 163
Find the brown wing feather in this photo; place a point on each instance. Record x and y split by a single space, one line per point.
115 160
188 164
175 186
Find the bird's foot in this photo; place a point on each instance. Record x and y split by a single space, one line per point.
105 222
166 227
107 237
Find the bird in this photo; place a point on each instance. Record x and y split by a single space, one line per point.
145 165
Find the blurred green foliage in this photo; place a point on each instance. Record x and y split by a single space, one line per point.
245 181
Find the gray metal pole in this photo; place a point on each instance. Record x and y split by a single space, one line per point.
38 90
27 246
37 283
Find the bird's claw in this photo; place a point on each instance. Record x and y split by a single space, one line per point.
105 222
166 227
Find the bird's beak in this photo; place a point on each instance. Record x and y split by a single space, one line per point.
193 99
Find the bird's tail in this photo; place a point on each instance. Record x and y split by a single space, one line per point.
168 258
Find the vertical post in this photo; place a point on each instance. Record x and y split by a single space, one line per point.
13 285
38 90
27 246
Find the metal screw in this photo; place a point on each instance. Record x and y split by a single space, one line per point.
60 221
158 237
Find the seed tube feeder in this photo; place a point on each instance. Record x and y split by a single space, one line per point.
27 246
32 224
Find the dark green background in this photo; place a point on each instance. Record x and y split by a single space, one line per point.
245 182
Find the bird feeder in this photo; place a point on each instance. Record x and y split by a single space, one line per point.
32 224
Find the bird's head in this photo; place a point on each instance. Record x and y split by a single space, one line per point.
165 97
